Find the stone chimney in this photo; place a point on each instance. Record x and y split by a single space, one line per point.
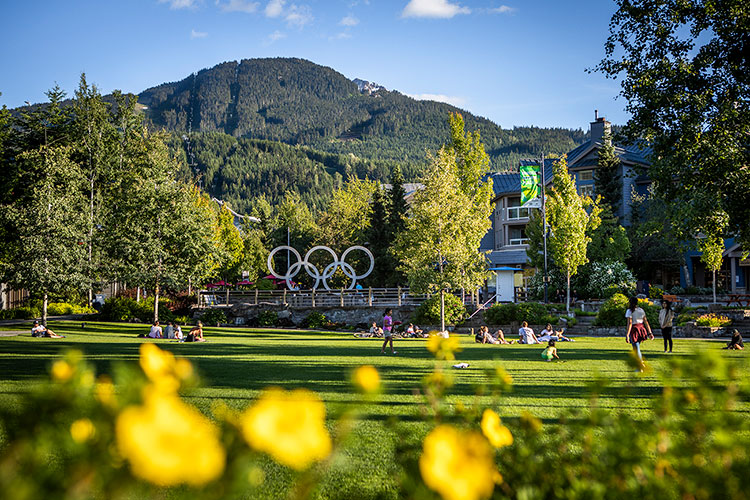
598 126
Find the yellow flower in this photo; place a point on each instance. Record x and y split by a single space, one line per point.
168 442
289 426
497 434
367 379
458 464
82 430
443 348
62 371
105 391
162 368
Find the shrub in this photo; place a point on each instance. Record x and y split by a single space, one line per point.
315 320
534 313
501 314
127 309
536 285
264 284
655 292
64 308
429 311
677 290
612 312
23 312
267 318
604 276
213 317
712 320
579 312
692 290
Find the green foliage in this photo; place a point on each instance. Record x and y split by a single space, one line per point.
128 309
501 314
64 308
213 317
607 175
264 284
713 320
534 313
570 222
609 240
655 292
429 311
267 318
23 312
612 311
684 79
315 320
599 279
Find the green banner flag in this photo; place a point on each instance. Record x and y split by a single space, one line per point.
529 184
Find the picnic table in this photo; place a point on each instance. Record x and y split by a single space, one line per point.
739 298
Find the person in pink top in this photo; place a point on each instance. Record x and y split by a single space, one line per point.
388 330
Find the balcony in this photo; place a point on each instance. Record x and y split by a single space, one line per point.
518 241
515 213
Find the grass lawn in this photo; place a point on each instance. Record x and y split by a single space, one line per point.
236 363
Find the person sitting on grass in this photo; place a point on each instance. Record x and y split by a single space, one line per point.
736 343
550 334
550 352
527 335
41 331
155 332
483 336
177 332
169 331
196 333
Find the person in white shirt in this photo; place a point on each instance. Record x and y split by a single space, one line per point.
526 335
41 331
666 315
178 332
155 332
638 328
550 334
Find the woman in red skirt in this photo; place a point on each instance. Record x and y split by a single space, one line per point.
638 328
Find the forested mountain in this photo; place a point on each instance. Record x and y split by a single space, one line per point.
301 103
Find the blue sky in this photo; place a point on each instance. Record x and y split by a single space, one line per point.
514 62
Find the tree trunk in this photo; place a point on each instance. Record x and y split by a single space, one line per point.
567 298
442 310
190 285
138 294
44 310
714 287
156 302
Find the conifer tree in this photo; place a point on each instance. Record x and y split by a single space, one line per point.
607 178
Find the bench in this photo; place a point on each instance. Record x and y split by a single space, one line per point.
739 298
670 298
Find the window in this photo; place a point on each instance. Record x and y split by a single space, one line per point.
586 175
515 211
517 235
587 190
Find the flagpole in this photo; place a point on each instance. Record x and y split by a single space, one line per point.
544 227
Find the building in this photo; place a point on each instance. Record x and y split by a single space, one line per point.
507 242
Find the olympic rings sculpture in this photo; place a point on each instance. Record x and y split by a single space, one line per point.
313 270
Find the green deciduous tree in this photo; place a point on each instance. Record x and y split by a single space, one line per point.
47 219
686 77
570 222
448 219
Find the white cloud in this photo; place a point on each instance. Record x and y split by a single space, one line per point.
503 9
433 8
448 99
179 4
340 36
198 34
276 35
298 15
245 6
349 20
275 8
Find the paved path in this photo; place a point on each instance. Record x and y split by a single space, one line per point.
12 333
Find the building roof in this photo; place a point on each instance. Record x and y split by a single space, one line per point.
505 183
499 258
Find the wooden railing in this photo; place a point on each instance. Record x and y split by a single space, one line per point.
366 297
